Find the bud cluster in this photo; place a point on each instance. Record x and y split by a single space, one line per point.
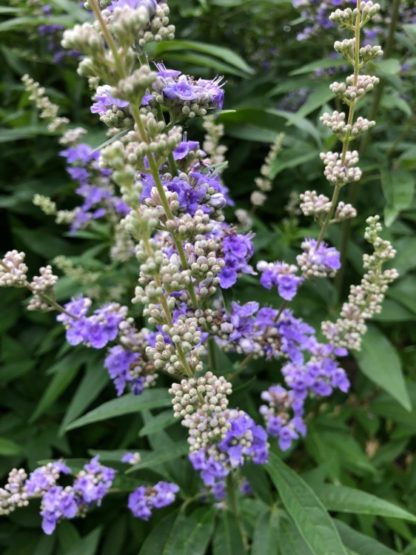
364 300
47 110
264 183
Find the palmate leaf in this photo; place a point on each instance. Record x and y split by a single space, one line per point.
306 510
128 404
349 500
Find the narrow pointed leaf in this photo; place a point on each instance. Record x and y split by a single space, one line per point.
349 500
227 538
379 361
306 510
128 404
266 533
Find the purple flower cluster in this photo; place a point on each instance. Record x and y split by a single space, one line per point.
144 499
310 370
282 276
93 482
243 441
125 370
89 488
237 250
133 4
94 186
104 101
96 330
318 259
316 13
178 89
195 190
280 422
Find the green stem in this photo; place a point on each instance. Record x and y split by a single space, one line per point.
378 96
211 354
347 139
152 162
233 506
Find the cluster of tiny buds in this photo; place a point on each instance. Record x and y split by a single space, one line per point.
208 393
134 86
140 25
365 300
13 270
47 110
178 349
336 123
132 149
355 87
72 136
43 283
264 182
13 495
341 169
46 204
211 145
318 206
347 17
367 53
189 226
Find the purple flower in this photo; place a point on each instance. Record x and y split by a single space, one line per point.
130 458
57 503
96 330
144 499
184 149
104 100
133 4
237 249
282 276
43 478
93 482
318 260
124 370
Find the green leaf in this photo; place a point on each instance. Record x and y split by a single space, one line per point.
128 404
192 533
220 52
156 540
380 362
360 543
266 533
398 189
291 542
316 99
65 372
157 423
349 500
87 545
94 381
320 64
227 537
8 448
307 512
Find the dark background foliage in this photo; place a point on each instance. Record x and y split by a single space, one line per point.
365 440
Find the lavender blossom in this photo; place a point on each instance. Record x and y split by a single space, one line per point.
282 276
144 499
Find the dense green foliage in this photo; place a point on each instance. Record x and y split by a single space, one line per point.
363 442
